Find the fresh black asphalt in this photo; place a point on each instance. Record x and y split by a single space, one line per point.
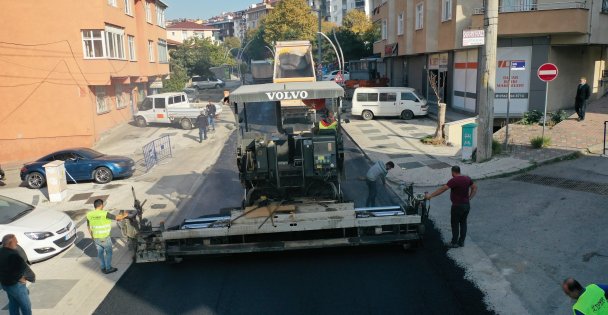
358 280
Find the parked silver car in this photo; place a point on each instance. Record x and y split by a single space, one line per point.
207 83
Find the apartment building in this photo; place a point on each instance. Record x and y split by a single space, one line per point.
256 12
73 69
337 9
224 23
180 31
240 24
439 36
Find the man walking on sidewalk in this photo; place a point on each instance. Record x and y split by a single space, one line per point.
99 223
463 189
202 121
211 115
14 272
378 170
582 95
592 299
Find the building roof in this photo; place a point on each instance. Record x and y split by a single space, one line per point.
173 42
187 25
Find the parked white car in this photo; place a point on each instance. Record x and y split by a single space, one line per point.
332 75
404 102
170 108
201 83
41 232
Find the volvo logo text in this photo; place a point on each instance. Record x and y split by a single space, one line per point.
295 95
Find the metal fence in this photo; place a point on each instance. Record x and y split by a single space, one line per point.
156 151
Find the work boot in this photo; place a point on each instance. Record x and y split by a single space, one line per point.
110 270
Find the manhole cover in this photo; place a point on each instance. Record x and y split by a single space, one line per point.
83 196
571 184
111 186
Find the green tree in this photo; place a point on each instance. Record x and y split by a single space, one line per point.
290 20
256 49
357 22
232 42
177 80
197 55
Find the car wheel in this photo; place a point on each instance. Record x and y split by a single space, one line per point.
140 121
185 123
217 86
407 115
367 115
35 180
102 175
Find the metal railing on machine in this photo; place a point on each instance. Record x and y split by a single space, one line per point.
156 151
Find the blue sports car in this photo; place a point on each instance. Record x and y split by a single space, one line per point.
80 164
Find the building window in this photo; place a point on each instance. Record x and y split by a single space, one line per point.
400 24
115 42
419 16
160 16
162 51
446 10
93 44
151 50
128 8
132 55
148 12
112 2
120 97
101 99
384 30
184 34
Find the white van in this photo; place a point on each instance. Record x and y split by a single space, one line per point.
404 102
170 108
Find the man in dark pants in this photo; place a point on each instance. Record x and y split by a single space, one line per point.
14 272
582 95
592 299
211 115
378 170
202 123
463 189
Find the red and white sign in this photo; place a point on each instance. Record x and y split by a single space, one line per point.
547 72
339 78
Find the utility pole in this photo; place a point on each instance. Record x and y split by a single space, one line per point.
485 130
321 9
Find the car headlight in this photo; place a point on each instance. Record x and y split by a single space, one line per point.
122 164
38 235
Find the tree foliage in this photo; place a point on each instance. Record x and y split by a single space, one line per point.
231 42
177 80
290 20
197 55
357 22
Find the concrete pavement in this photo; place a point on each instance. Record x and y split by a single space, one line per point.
71 282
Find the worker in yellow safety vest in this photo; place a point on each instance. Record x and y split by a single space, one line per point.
328 122
593 299
99 222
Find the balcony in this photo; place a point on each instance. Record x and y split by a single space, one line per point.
539 18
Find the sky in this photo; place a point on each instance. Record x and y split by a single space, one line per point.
203 9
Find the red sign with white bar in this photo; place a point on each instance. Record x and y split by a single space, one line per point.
547 72
339 78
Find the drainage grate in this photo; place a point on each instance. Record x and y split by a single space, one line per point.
596 188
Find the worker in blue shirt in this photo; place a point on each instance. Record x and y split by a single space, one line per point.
592 299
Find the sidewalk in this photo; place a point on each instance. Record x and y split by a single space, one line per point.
71 282
424 165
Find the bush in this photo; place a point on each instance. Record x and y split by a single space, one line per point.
540 142
558 116
496 147
531 117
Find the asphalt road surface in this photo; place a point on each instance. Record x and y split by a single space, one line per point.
361 280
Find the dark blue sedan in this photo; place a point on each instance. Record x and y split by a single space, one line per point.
81 164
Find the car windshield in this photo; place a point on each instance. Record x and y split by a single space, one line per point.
11 209
90 153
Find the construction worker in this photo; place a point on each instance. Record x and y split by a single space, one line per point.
99 223
328 122
589 300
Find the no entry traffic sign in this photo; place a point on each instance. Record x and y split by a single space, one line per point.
547 72
339 78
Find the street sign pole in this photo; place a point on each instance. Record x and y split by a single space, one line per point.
508 106
545 114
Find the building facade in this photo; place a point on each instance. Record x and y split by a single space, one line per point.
240 24
180 31
337 9
256 12
438 36
224 24
76 72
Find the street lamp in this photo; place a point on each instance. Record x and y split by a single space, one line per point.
335 50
